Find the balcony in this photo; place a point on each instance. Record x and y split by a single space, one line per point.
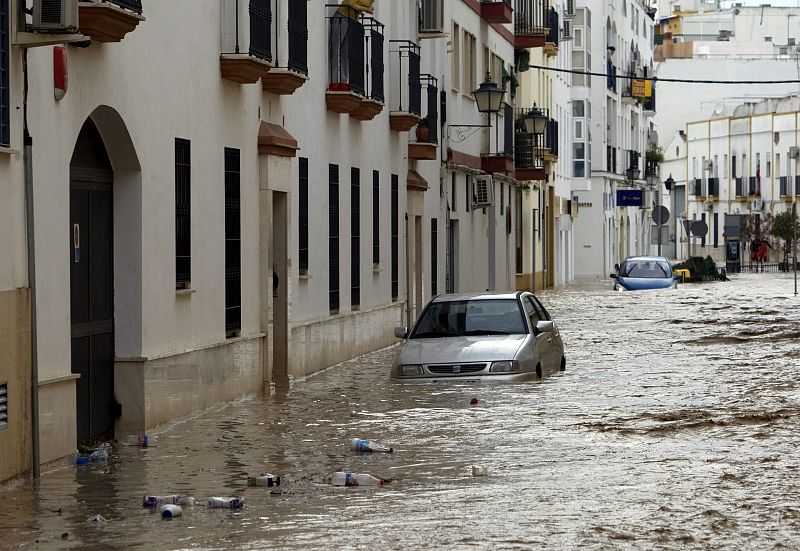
407 97
754 189
531 23
529 162
611 76
249 33
551 42
285 81
649 105
713 187
696 187
739 186
426 145
373 100
502 160
494 11
346 68
109 20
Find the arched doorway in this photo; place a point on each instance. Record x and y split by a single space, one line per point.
92 284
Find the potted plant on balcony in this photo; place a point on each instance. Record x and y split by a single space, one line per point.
422 130
655 155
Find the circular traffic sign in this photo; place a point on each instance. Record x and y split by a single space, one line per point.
699 228
660 215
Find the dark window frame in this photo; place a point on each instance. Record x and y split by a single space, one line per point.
395 229
5 73
302 216
434 256
355 238
376 218
183 213
334 299
233 238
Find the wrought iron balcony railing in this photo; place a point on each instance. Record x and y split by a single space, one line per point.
739 186
405 60
133 5
345 54
531 17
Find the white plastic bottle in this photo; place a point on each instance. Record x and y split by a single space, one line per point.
158 501
266 479
226 502
171 511
359 445
356 479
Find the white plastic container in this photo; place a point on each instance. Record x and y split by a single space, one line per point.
170 511
266 480
96 520
355 479
359 445
479 470
226 502
158 501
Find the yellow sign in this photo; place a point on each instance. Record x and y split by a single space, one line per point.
642 88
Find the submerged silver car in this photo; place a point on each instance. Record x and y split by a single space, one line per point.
480 336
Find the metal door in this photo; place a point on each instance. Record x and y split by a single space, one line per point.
92 285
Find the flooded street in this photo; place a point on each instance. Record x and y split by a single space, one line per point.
675 425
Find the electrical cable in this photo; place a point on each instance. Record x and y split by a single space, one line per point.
659 79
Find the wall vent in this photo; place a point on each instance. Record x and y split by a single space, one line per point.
3 405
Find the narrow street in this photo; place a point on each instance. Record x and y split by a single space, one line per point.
675 425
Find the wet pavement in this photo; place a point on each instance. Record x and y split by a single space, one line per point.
675 426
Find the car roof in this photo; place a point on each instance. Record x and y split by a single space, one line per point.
648 258
486 295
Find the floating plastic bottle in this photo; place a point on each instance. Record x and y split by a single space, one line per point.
158 501
226 502
356 479
359 445
266 480
171 511
96 520
479 470
82 459
100 455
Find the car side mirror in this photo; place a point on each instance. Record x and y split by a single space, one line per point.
545 326
613 276
616 267
401 332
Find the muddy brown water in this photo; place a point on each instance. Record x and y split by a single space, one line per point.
675 426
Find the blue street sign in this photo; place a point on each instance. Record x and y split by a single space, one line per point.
630 198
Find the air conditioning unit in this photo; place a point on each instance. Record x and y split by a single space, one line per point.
431 16
55 15
570 10
566 30
794 152
756 205
482 191
709 165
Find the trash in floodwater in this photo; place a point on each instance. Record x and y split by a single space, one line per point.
171 511
356 479
266 480
359 445
226 502
96 520
143 440
83 459
158 501
473 402
479 470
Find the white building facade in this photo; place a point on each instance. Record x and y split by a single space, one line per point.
615 123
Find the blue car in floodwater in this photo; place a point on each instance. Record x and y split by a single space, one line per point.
640 273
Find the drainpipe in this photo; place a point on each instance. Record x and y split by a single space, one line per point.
28 169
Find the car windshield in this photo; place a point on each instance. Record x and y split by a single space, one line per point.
470 318
645 269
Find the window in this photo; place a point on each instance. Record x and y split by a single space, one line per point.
714 231
733 166
703 239
333 238
376 217
233 250
5 94
395 239
453 180
456 59
778 165
725 165
578 130
355 238
469 62
434 257
468 191
183 226
502 198
303 217
769 169
578 40
578 109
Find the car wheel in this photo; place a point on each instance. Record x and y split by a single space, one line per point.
563 366
538 371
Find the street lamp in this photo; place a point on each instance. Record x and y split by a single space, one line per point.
669 183
534 120
632 173
489 96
